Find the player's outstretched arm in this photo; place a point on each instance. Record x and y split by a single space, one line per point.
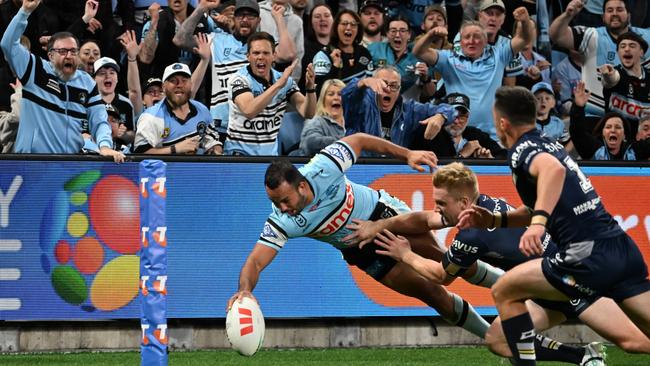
399 248
257 260
360 142
410 223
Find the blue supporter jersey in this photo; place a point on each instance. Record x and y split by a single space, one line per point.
336 202
599 48
383 55
228 57
259 135
53 112
498 247
158 127
478 79
553 129
514 68
579 214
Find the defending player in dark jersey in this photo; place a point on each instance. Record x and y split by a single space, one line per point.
456 188
560 199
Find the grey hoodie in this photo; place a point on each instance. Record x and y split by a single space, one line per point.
294 26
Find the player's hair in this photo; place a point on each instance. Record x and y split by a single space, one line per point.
457 179
260 36
627 7
598 129
280 171
320 105
60 35
517 104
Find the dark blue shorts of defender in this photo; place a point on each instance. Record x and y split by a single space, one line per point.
612 267
571 309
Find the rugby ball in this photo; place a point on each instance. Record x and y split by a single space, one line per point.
245 326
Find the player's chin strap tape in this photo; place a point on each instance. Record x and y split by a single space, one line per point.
486 275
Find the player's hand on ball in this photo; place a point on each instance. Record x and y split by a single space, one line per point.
530 243
238 297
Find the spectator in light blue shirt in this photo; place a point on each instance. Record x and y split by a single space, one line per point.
476 70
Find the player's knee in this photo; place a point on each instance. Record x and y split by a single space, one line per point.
499 291
634 345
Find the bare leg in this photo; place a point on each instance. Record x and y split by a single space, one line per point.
637 308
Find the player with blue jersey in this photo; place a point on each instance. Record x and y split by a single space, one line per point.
560 199
597 45
318 201
58 101
455 189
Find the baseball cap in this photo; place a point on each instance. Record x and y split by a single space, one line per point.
247 4
151 82
106 62
542 86
486 4
368 3
458 100
177 68
438 8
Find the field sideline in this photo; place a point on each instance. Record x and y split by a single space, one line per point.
439 356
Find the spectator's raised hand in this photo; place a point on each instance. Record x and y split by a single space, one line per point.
203 46
286 74
30 5
90 10
130 44
277 11
434 125
438 32
207 5
533 72
154 12
574 7
337 61
94 25
521 14
121 130
17 86
543 65
580 94
422 70
310 77
375 84
606 69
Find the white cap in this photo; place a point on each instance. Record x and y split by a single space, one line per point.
177 68
106 62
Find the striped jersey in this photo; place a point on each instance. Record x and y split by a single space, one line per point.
259 135
599 48
228 57
336 201
53 112
159 127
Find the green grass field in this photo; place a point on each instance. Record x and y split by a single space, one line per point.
455 356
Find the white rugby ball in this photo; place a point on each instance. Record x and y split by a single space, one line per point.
245 326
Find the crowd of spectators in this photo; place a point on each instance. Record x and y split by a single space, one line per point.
241 77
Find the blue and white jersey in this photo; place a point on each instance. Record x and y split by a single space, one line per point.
228 57
514 68
599 48
383 54
158 127
553 129
569 74
498 247
53 112
579 214
259 135
478 79
336 202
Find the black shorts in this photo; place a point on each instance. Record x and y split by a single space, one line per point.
571 309
375 265
612 267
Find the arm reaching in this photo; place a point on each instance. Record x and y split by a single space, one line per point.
257 260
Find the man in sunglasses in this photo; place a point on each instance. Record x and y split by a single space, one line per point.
59 102
373 105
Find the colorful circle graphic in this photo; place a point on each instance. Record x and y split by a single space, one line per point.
89 234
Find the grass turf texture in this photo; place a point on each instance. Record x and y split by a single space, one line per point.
456 356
